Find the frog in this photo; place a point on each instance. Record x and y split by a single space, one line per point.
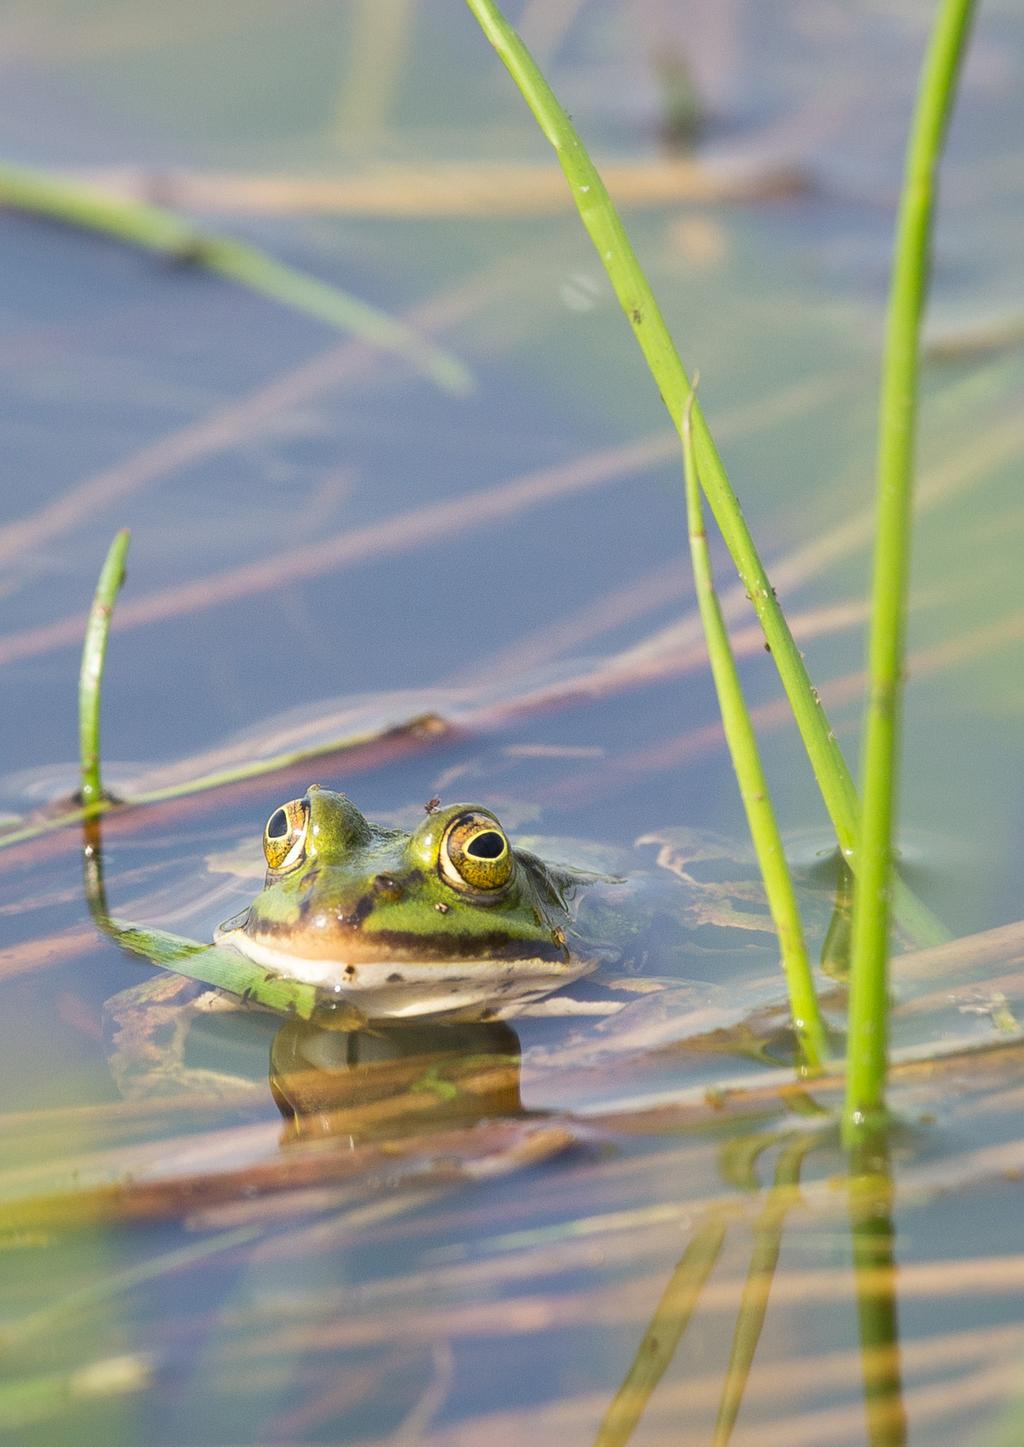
447 920
363 928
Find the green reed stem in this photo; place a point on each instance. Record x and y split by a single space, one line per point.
869 1005
90 678
638 302
746 761
138 223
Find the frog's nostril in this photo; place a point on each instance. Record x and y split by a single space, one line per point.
237 921
387 887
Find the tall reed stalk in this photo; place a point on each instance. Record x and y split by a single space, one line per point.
638 302
746 761
868 1035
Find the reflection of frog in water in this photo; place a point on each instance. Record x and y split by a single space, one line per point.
447 923
369 1082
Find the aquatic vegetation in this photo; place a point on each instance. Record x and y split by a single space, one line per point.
869 1002
867 844
90 684
869 1005
742 743
139 223
634 1220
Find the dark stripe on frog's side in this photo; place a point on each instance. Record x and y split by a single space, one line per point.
408 945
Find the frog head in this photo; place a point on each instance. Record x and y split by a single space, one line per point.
446 919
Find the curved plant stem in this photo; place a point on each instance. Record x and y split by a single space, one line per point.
746 761
868 1037
638 302
225 969
90 678
156 229
210 964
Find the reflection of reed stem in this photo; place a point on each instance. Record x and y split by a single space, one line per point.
758 1285
873 1237
375 52
671 1318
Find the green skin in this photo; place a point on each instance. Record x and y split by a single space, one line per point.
384 920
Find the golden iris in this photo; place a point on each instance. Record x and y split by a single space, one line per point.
475 852
284 838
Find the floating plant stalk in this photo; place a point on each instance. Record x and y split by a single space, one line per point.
869 1005
226 969
156 229
90 678
746 761
638 302
397 736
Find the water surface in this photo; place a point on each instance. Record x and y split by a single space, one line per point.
324 542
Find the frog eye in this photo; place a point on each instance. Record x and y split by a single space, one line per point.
284 838
475 852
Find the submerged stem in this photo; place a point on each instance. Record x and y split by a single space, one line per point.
875 1277
672 1316
768 1231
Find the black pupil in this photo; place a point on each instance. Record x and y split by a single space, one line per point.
277 828
488 845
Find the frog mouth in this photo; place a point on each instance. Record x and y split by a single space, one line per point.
344 938
394 988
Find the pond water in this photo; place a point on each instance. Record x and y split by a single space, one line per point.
588 1229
